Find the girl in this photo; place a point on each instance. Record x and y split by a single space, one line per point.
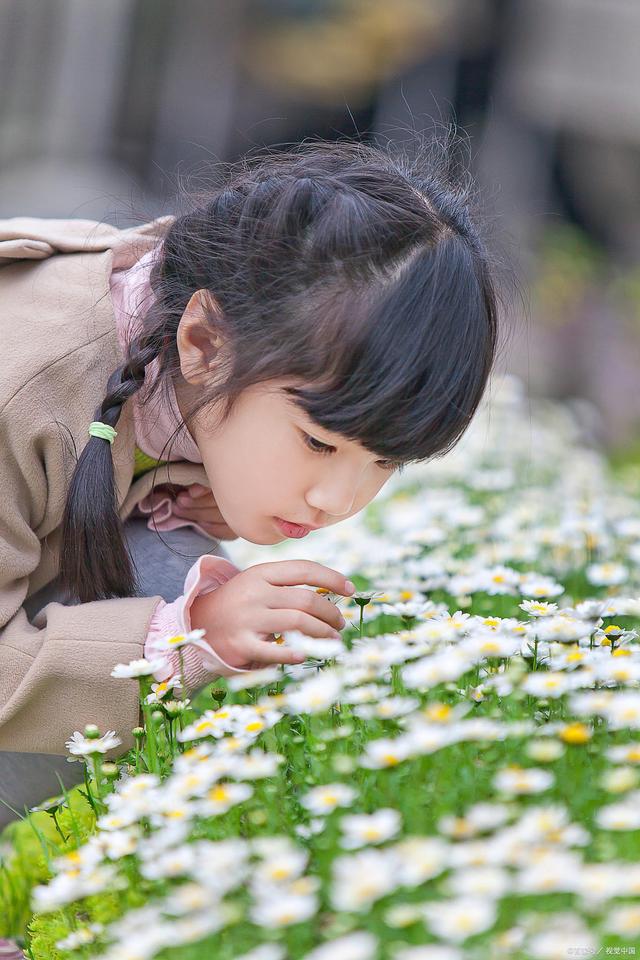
323 317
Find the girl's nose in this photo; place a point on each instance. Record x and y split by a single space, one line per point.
334 501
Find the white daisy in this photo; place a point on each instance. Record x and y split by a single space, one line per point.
360 829
137 668
82 746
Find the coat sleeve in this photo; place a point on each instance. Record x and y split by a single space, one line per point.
55 671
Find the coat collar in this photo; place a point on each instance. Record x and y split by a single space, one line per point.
38 238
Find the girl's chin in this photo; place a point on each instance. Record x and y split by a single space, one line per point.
264 539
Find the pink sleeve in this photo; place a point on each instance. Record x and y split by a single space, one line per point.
168 619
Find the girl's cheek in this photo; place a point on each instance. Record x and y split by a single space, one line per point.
367 494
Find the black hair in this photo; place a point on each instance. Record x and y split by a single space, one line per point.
350 266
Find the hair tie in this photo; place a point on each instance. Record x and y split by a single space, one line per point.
99 429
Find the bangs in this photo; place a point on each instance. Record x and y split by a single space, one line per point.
404 371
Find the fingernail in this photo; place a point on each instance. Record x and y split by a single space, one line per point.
350 587
336 635
343 622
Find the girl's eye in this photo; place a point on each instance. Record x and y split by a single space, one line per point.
319 447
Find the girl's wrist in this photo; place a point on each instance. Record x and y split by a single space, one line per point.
198 614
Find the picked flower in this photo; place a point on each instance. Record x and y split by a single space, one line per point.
82 746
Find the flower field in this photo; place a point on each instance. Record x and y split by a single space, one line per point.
459 777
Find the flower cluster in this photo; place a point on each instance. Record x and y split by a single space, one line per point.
414 793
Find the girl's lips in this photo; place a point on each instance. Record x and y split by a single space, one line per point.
291 529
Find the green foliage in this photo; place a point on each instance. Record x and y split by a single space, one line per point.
30 844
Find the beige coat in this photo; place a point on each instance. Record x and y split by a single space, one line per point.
58 347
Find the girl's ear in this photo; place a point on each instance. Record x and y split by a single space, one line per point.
199 342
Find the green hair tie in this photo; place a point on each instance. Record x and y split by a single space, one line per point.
99 429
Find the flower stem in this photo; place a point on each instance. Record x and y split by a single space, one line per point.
150 741
54 814
183 692
87 784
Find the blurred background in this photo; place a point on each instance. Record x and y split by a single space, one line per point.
106 104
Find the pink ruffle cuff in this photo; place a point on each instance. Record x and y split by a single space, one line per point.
169 619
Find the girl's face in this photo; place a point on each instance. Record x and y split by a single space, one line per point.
269 462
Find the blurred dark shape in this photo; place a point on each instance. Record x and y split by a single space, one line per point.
108 107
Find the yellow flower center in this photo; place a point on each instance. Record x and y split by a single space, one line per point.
204 725
575 733
490 646
437 711
372 833
218 794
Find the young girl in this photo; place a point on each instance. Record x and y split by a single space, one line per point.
275 353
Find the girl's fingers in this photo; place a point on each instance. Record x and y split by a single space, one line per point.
273 653
296 572
199 511
307 601
277 621
197 490
200 505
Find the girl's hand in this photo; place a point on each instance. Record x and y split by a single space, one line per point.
199 505
241 616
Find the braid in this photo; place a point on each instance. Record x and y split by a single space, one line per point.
85 574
